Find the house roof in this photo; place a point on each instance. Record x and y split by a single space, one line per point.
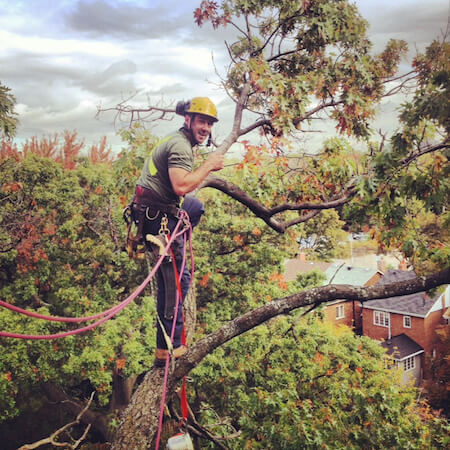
401 347
292 267
394 275
341 273
417 305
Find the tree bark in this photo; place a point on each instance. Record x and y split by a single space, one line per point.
139 421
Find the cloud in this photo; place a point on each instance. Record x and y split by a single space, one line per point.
417 22
63 58
123 19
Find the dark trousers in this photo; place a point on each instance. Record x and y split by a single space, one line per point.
195 210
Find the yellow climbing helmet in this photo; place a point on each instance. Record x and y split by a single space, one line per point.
203 105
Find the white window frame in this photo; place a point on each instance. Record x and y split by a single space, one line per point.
407 321
409 363
340 312
381 319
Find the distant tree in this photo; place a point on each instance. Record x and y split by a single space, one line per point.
8 116
66 149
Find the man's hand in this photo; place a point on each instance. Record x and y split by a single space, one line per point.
215 161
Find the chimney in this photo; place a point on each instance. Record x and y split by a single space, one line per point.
403 265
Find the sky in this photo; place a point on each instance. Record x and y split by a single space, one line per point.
64 58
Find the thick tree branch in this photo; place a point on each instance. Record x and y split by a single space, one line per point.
267 214
139 421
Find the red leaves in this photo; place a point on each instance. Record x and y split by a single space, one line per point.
208 10
279 278
8 188
120 363
205 279
65 151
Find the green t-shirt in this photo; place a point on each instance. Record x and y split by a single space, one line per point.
174 150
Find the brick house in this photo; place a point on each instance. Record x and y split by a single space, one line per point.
344 312
407 324
339 312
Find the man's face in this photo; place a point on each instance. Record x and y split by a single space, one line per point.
200 127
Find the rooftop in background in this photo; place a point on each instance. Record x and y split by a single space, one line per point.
393 276
418 304
401 347
342 273
292 267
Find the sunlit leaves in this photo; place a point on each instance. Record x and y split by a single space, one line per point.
305 386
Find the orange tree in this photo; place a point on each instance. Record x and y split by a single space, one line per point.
61 254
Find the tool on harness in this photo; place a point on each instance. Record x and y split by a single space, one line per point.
144 206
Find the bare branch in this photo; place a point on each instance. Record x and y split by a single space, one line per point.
53 438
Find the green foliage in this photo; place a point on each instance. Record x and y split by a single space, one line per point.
246 255
62 254
324 235
308 386
8 117
298 53
406 192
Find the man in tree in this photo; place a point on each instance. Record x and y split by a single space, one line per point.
167 176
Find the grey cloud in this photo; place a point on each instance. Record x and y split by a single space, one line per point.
417 23
125 20
112 80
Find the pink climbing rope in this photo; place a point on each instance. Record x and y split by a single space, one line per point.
106 315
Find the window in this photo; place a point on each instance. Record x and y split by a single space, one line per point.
340 314
409 363
407 321
381 318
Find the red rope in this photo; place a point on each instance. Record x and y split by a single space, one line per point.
106 315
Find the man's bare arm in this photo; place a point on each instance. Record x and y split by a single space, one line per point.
184 181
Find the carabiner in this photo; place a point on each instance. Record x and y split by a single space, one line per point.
164 230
